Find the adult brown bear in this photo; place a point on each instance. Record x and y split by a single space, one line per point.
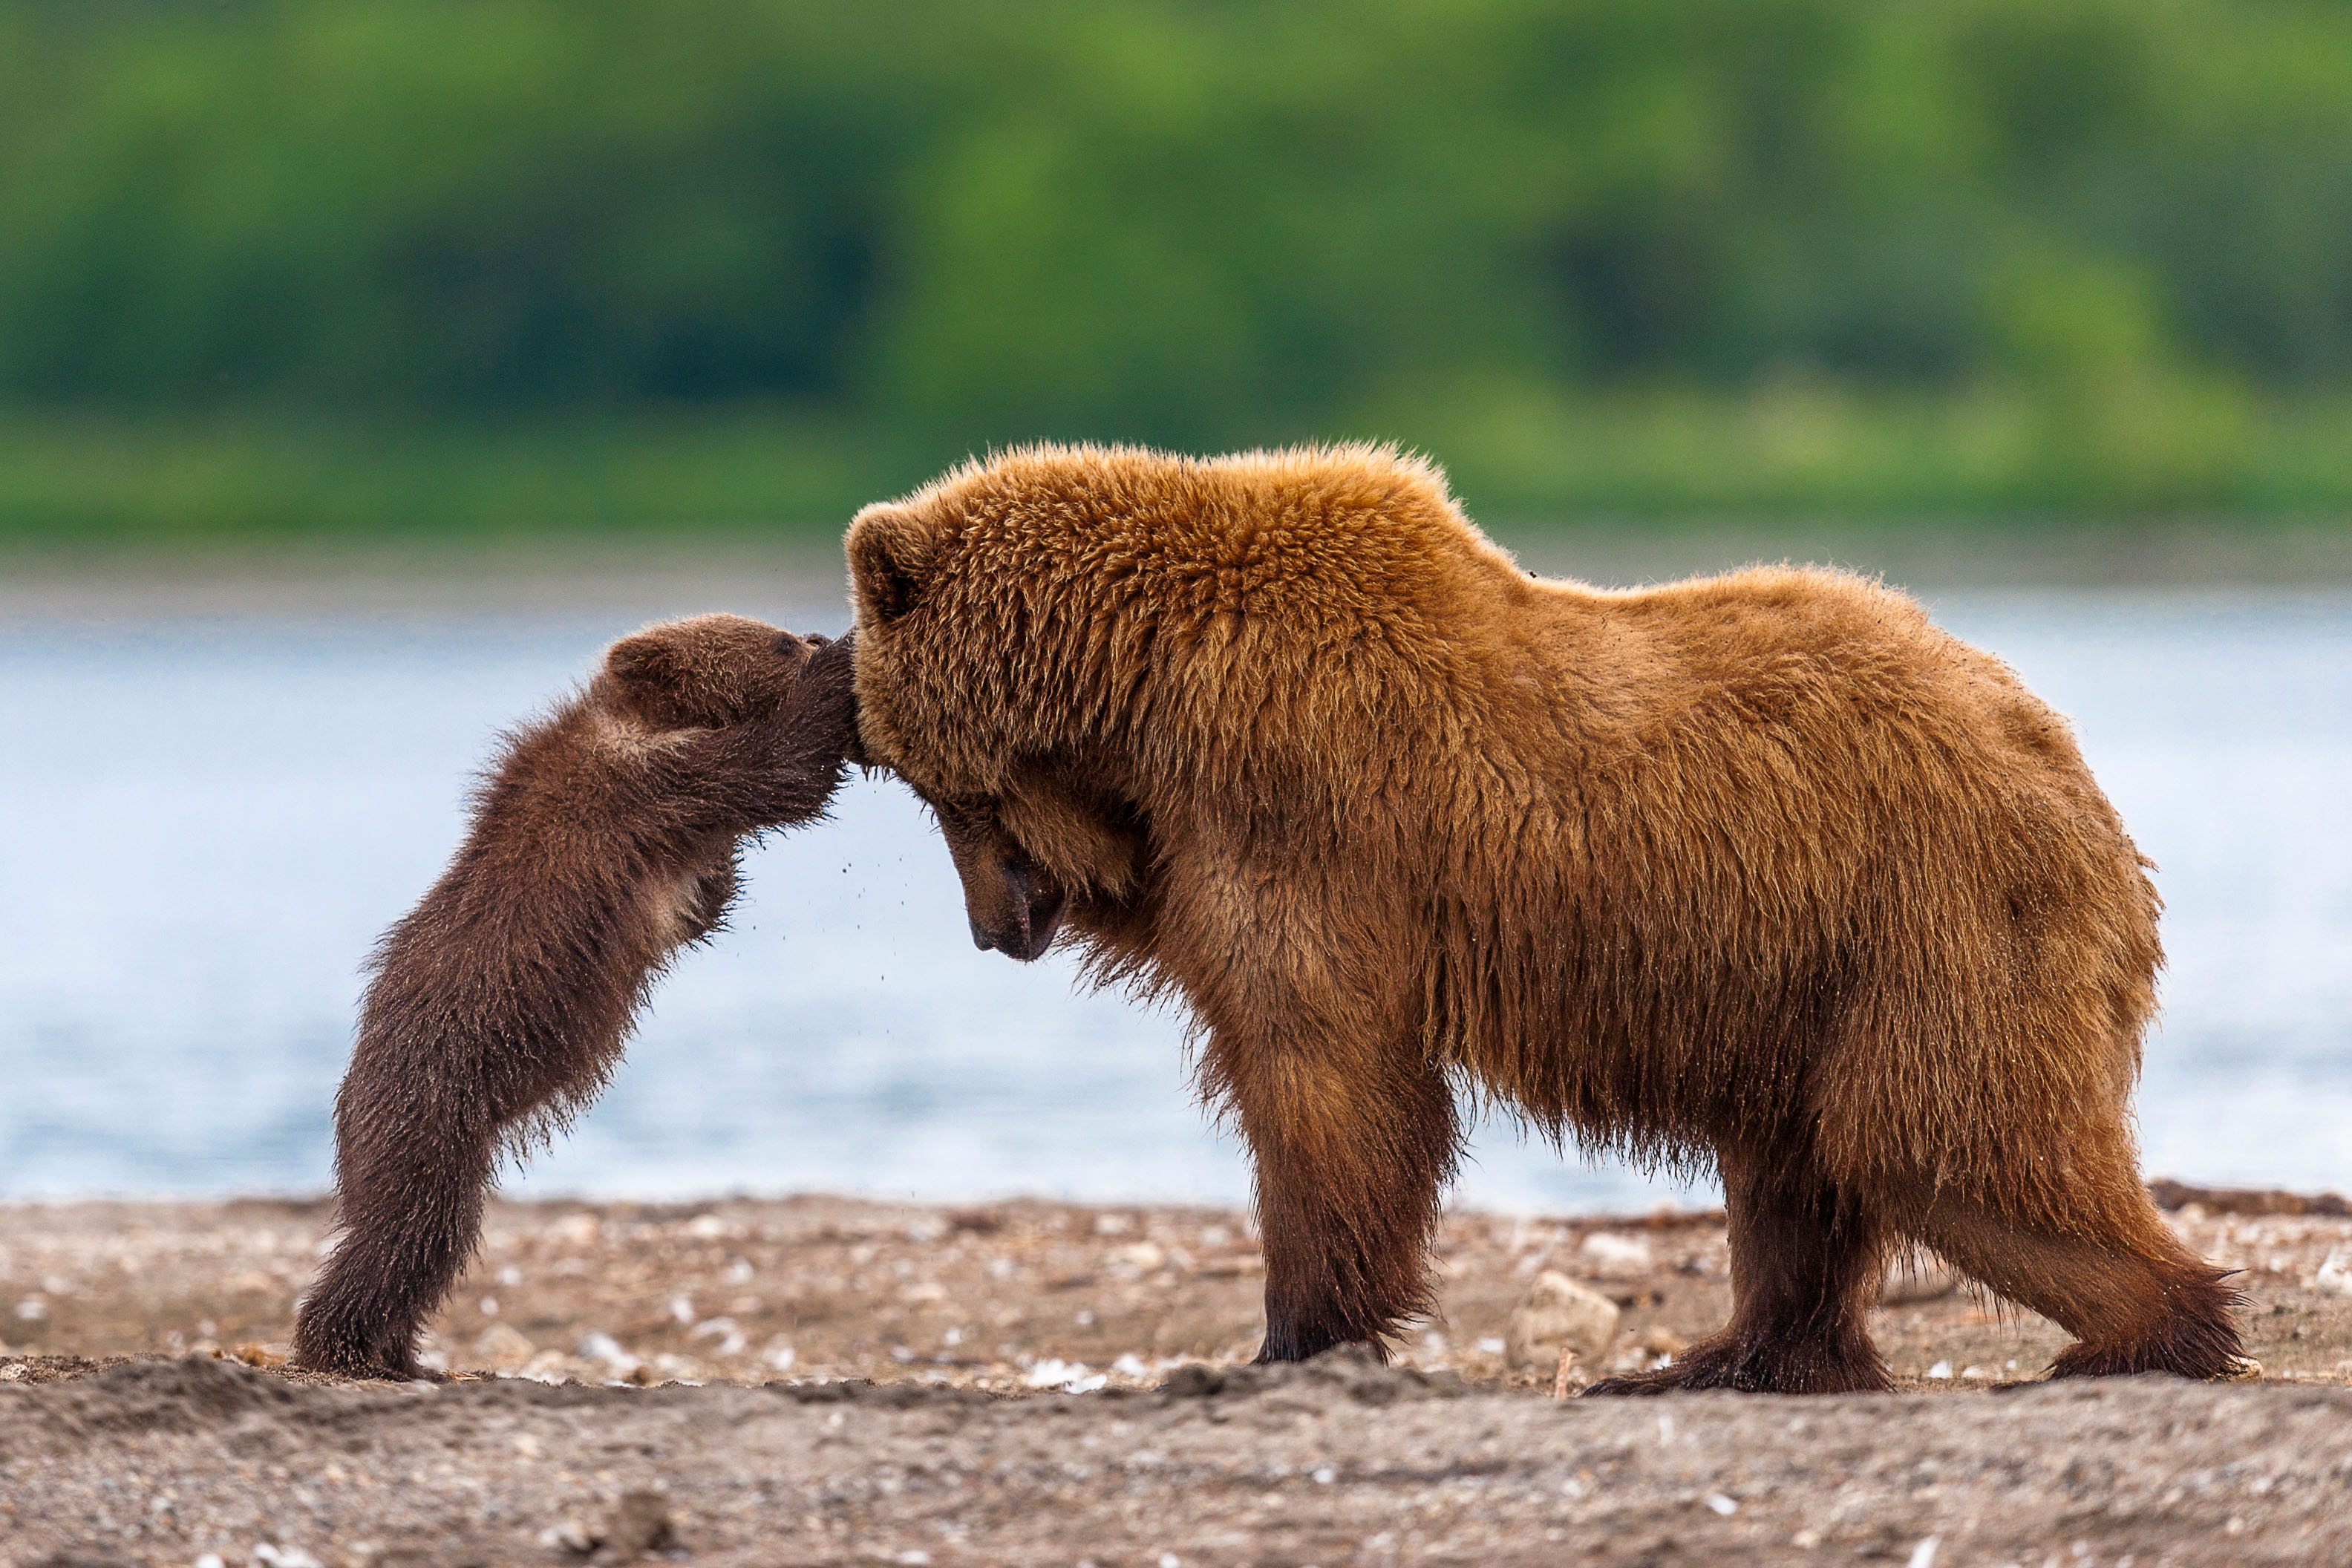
1760 871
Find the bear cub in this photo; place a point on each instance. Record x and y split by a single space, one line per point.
605 840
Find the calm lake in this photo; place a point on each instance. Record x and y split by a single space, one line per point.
211 816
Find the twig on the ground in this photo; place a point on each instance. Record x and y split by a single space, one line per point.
1560 1378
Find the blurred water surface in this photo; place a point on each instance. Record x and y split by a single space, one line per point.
210 818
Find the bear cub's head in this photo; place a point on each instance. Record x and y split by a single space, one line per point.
706 672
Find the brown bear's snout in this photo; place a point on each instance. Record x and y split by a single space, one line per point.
1012 905
1025 928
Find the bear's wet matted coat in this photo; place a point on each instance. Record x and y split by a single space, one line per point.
1760 871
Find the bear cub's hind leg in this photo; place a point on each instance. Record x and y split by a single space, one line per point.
1805 1269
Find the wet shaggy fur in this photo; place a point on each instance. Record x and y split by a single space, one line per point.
1759 872
605 840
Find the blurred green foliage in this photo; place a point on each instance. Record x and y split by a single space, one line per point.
1875 255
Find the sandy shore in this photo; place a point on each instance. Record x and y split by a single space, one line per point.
880 1383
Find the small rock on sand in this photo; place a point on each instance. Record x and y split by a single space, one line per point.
636 1523
503 1349
1615 1257
598 1346
1560 1314
577 1230
1908 1282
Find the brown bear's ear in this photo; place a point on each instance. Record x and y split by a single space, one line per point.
889 552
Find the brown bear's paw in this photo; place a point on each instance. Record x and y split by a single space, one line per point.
2196 1336
1751 1365
2207 1353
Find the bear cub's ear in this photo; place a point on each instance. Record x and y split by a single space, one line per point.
648 662
889 549
704 673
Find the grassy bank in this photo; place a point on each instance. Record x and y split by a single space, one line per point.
98 485
2132 460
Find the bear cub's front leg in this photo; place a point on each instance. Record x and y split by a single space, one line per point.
605 839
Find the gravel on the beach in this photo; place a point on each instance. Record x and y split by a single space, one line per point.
844 1382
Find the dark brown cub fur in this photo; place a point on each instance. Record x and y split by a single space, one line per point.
606 840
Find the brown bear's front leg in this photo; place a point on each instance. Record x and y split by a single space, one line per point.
1351 1158
1806 1262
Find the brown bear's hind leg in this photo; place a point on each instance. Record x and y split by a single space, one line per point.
1805 1268
2120 1281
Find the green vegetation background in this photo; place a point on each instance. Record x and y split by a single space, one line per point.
352 266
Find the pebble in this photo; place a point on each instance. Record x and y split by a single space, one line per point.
729 1334
568 1535
1070 1377
1611 1255
502 1348
1662 1340
637 1523
1146 1255
603 1347
1560 1315
1926 1282
270 1555
577 1229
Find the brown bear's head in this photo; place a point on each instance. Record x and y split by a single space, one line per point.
704 673
949 659
1075 652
